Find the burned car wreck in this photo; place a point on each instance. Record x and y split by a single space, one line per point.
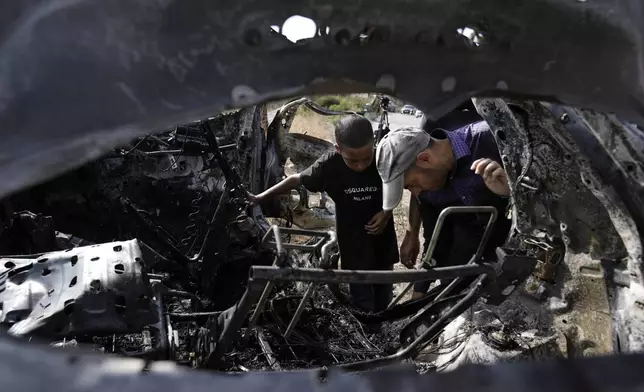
177 287
150 250
169 241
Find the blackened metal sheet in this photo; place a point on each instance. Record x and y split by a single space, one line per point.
79 76
85 290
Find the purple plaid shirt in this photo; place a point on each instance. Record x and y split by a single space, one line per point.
461 233
464 187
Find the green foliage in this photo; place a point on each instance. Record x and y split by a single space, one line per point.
346 103
349 103
327 100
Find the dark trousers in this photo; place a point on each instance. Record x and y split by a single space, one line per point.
372 297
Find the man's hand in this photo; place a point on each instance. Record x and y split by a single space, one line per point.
493 174
409 249
377 224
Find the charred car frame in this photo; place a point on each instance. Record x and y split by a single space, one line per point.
105 73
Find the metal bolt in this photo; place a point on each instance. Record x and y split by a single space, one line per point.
564 118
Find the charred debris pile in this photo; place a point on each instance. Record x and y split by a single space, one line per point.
146 253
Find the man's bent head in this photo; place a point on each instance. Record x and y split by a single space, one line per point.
410 158
354 141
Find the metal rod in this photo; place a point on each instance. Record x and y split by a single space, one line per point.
281 256
193 315
311 233
417 345
267 350
158 276
300 308
260 305
297 246
459 210
232 177
223 199
325 263
226 147
161 152
232 319
163 344
276 232
486 234
160 141
420 314
445 291
182 152
436 233
266 273
400 296
479 253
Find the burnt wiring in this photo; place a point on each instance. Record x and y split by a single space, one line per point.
173 157
335 341
146 137
191 229
449 346
514 333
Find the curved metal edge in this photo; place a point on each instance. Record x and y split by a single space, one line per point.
83 371
75 82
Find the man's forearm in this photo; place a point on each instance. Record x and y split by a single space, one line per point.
414 216
287 184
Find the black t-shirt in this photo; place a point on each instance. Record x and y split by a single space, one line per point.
357 198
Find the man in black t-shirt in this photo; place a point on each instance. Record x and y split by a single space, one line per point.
366 234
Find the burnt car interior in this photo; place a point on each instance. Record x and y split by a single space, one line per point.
134 132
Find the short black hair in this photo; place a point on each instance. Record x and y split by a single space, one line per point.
353 131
